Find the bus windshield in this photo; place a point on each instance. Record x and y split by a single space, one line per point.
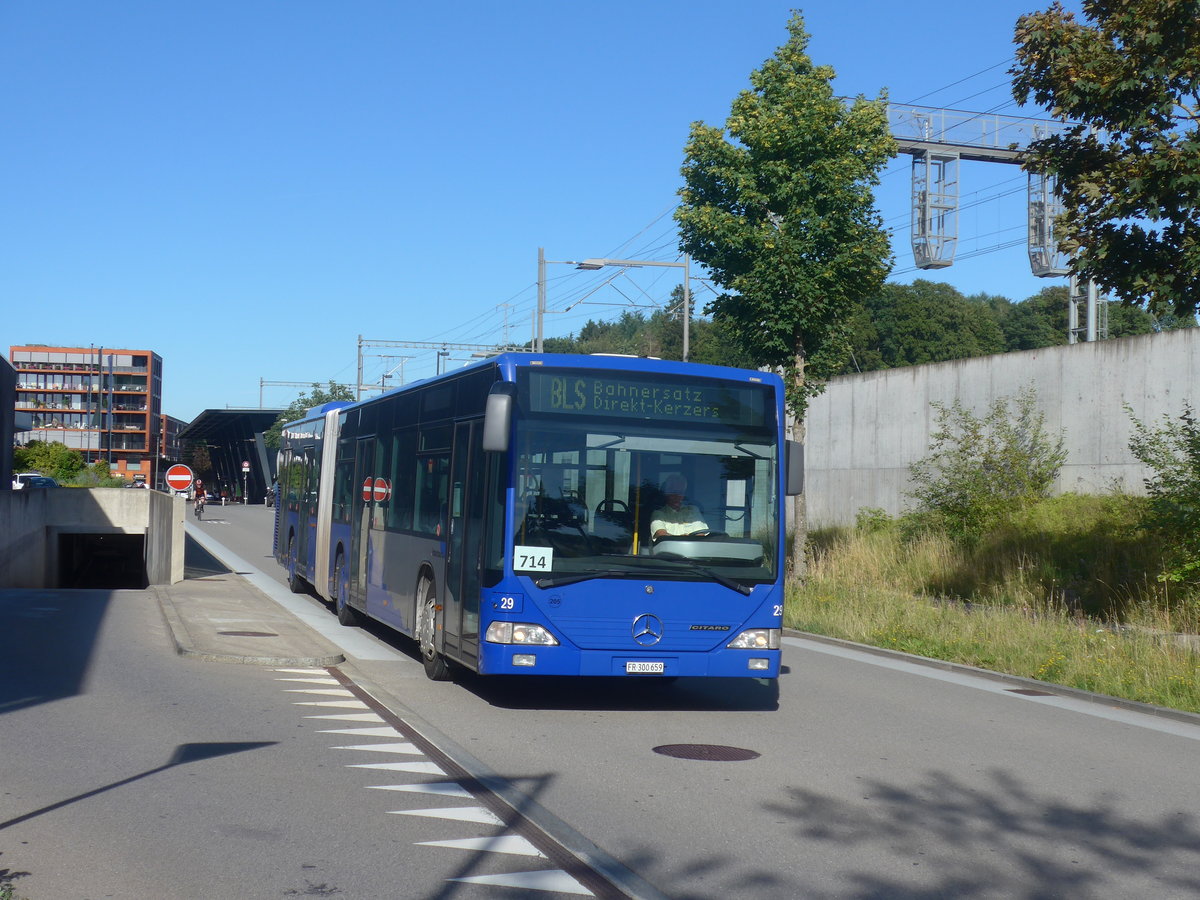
648 498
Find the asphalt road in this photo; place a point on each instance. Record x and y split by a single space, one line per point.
870 776
129 772
875 777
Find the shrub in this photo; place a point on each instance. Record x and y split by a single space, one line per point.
981 470
1172 451
870 519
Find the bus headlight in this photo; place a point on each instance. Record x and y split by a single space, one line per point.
519 633
757 639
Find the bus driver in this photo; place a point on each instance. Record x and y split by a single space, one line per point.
676 517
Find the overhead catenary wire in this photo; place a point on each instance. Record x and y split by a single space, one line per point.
577 300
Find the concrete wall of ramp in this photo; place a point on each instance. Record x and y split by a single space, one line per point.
32 520
866 430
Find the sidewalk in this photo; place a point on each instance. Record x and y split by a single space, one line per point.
223 618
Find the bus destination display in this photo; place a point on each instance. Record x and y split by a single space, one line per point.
624 396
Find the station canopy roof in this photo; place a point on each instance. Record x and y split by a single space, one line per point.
228 426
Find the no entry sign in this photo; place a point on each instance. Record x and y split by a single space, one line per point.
179 478
383 490
377 489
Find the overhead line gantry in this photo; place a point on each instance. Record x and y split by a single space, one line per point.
937 140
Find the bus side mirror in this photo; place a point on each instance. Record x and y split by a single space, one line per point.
794 461
497 417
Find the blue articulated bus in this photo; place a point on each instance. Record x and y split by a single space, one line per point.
552 514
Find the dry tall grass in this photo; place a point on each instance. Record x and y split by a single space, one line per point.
1025 602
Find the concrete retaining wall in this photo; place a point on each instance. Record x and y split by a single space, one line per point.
31 521
866 430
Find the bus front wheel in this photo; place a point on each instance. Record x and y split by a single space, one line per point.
428 614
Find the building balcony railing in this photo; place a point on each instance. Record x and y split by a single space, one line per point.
77 367
95 389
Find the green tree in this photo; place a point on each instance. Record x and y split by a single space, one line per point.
1125 320
782 214
1129 170
926 322
1039 321
302 404
660 335
200 461
52 458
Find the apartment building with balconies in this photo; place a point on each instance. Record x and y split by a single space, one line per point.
104 402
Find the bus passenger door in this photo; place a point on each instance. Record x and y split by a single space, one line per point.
467 484
306 520
360 522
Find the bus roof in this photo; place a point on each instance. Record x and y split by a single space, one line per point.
509 361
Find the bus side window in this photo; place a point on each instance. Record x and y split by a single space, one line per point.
404 478
342 488
433 472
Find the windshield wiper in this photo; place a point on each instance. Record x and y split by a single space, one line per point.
583 576
706 571
661 563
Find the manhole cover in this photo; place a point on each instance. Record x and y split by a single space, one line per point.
1029 692
712 752
248 633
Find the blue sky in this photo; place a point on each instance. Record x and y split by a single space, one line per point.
248 187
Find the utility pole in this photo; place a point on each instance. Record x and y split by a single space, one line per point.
594 263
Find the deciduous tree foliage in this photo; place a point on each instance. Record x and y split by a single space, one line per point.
52 458
660 335
922 322
778 205
303 404
1129 171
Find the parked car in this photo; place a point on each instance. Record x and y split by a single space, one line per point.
22 479
41 481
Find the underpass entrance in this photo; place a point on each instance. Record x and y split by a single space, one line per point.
110 561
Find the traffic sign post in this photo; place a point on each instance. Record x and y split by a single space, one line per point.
179 478
245 475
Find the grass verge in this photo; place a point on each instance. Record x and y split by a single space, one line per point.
1012 604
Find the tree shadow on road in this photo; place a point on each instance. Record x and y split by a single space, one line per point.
947 838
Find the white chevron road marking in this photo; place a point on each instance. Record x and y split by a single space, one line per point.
542 880
501 843
385 748
351 717
339 704
421 768
442 788
385 731
320 685
458 813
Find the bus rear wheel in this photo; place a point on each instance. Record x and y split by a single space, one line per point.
435 664
294 581
346 614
